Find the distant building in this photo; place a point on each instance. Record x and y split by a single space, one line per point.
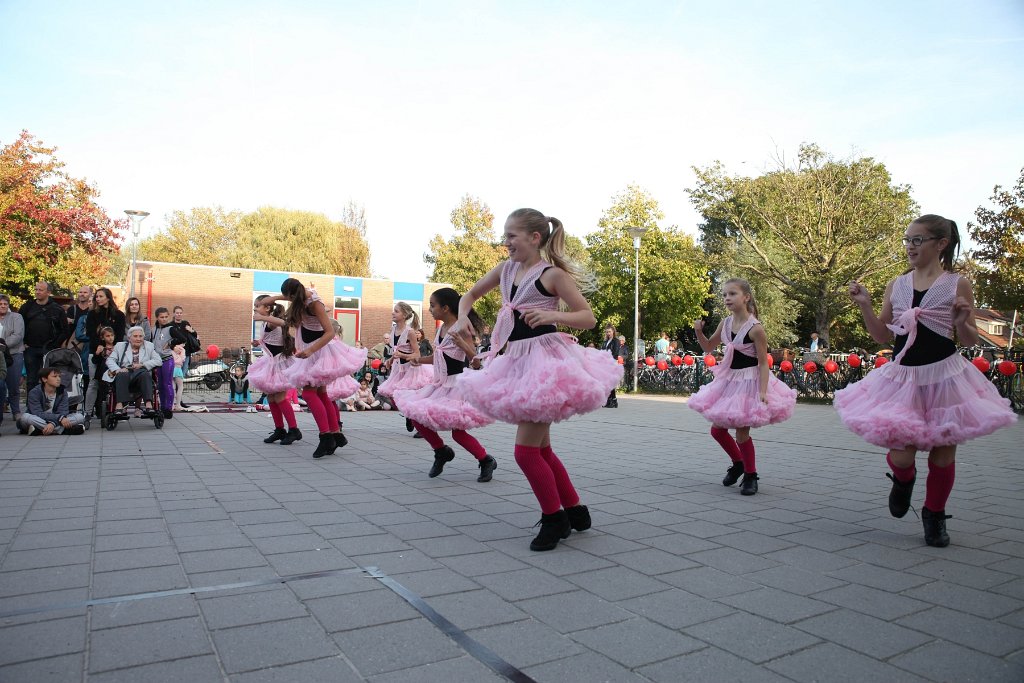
993 328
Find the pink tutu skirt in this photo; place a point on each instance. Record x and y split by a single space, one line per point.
406 376
343 387
267 373
923 407
441 407
733 400
329 363
545 379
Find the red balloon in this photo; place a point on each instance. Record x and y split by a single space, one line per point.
831 367
771 361
1007 367
649 361
677 361
810 366
662 365
786 366
375 363
982 364
880 361
213 352
688 359
854 360
710 361
621 360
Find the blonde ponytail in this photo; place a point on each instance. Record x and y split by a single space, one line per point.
552 238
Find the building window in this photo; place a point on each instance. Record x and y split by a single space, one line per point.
997 330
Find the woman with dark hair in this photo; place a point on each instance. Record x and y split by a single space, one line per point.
133 316
104 313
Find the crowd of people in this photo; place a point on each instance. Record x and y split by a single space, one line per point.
525 372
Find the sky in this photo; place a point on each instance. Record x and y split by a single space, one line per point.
404 107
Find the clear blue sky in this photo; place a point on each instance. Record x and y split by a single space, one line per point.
406 106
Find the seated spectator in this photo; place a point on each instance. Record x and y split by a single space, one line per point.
130 368
48 410
365 400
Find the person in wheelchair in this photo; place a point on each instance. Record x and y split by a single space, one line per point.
130 368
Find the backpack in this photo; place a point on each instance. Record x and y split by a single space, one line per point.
81 335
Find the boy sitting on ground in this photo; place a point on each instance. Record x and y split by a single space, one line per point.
48 408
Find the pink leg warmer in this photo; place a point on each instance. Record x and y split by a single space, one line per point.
728 444
903 474
333 414
275 412
747 452
938 486
429 435
285 408
467 441
566 492
541 479
318 410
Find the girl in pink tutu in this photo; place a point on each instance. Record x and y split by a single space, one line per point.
440 405
403 374
930 398
744 394
267 373
533 374
319 360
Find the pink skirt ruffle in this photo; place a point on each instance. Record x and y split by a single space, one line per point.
923 407
441 407
406 376
545 379
333 361
732 400
342 388
267 373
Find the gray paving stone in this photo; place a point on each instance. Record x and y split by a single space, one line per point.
476 609
708 582
777 605
407 644
132 612
52 638
132 541
568 612
980 634
872 601
709 664
942 661
249 607
53 539
751 637
841 666
359 610
117 648
584 667
43 580
234 539
135 559
962 574
217 560
203 668
328 670
863 633
246 648
46 557
461 670
50 670
132 581
964 599
637 642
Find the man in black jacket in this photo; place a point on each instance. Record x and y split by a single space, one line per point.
46 326
611 343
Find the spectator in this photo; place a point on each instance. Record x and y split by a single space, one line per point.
485 339
104 313
814 342
133 316
82 306
46 327
382 350
611 344
425 348
12 331
48 411
186 332
661 347
131 364
364 399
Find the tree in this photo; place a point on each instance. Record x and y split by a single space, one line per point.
673 277
469 254
1000 253
354 216
51 225
811 228
204 235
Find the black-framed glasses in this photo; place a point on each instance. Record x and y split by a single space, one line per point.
917 240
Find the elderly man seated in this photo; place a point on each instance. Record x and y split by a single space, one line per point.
130 367
48 408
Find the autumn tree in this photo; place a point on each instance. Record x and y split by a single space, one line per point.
810 228
999 233
673 276
204 235
52 227
471 252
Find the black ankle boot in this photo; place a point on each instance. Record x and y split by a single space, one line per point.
291 437
935 527
339 440
553 528
326 446
579 517
441 456
733 474
275 435
749 485
487 467
408 425
899 496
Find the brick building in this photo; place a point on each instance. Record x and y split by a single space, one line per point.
218 301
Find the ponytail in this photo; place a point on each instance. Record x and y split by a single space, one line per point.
296 293
446 297
940 227
552 238
409 314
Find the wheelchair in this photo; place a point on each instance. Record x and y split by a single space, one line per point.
109 418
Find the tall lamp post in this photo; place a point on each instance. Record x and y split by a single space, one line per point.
137 218
636 233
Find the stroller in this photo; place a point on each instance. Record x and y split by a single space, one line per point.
69 363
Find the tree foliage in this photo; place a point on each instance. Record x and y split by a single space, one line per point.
472 251
673 276
268 238
810 229
51 225
999 234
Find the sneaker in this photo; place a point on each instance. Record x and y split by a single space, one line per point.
75 430
749 485
487 467
31 430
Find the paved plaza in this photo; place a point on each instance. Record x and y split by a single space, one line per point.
198 553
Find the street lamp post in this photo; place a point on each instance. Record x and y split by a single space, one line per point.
137 218
636 233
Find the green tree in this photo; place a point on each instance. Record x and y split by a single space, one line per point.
812 228
999 234
52 227
673 276
300 241
469 254
204 235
